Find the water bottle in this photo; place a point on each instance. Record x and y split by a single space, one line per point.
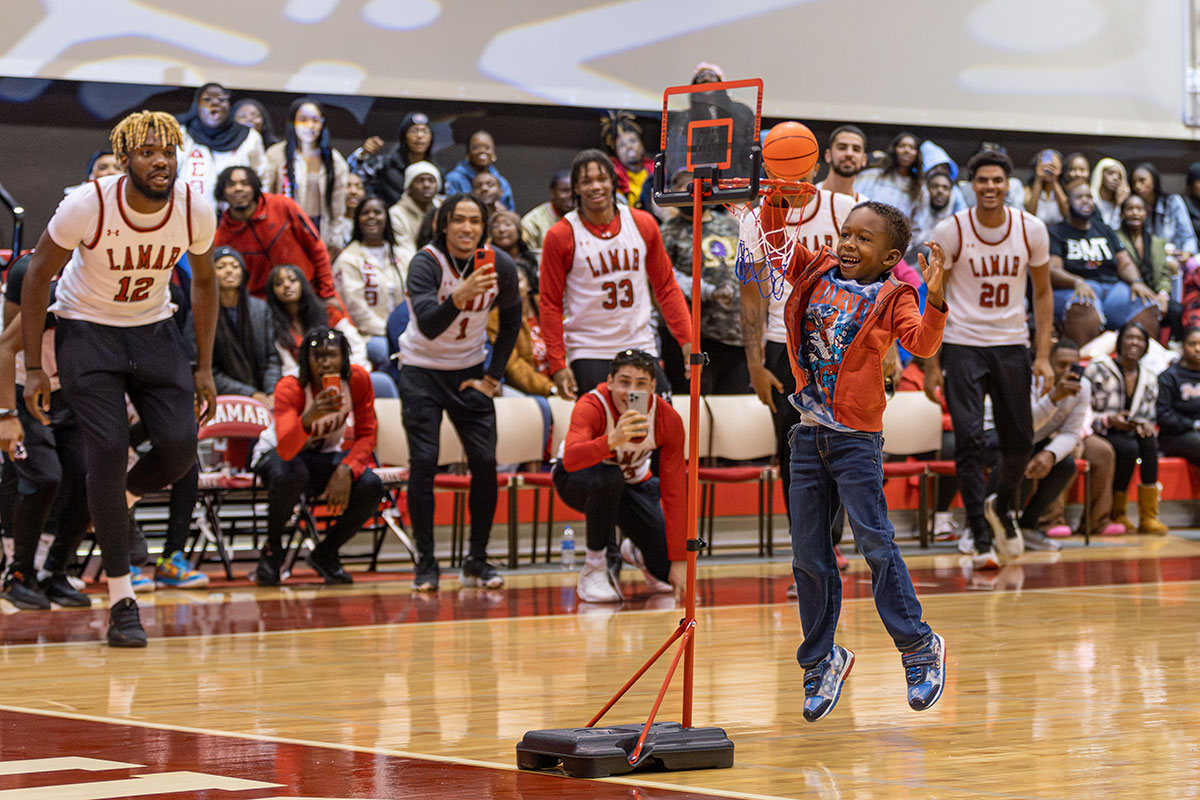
568 548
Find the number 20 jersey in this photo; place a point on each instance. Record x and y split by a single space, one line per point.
607 292
120 271
986 274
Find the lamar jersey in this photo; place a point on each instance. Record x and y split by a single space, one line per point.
602 275
120 272
820 226
986 273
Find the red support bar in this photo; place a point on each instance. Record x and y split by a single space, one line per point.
684 646
629 684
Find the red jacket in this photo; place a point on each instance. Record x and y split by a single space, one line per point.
278 233
858 395
586 445
290 433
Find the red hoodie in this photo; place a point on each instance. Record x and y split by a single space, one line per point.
858 395
586 445
278 233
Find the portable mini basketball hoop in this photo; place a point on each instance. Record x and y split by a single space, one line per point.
712 132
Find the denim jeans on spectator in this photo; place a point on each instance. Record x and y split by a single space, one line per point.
823 460
377 351
1114 301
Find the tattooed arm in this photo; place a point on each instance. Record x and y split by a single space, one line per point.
754 318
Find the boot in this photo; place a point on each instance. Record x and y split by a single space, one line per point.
1119 505
1148 521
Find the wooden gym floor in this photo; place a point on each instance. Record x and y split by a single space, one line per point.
1072 675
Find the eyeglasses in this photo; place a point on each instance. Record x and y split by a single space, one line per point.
317 341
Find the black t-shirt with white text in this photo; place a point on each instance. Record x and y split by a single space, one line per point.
1090 254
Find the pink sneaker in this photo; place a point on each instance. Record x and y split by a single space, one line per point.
1113 529
1059 532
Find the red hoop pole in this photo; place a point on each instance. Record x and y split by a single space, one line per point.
693 449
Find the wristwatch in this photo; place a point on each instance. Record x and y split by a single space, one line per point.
6 413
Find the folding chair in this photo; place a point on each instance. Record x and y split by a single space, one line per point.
912 424
741 430
234 429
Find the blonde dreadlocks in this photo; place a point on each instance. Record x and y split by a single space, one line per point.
613 124
130 133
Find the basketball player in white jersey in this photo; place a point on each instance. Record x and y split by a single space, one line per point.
991 249
453 283
600 263
603 470
820 223
123 236
846 154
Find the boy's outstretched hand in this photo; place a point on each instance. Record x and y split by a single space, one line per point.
934 273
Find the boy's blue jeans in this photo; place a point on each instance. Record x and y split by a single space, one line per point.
825 464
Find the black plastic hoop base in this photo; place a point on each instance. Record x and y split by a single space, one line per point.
602 751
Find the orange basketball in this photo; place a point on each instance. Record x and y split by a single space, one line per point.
790 151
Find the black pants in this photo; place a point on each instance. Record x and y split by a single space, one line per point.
726 371
1004 374
308 474
98 365
182 505
601 493
424 395
1184 445
591 372
1130 448
1061 476
35 479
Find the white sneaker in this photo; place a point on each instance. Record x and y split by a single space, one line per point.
945 529
966 543
596 585
632 555
986 560
1006 533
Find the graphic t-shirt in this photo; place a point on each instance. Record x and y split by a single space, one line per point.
1090 254
835 312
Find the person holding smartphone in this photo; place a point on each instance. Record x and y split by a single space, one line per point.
603 470
303 452
1045 197
453 283
1058 419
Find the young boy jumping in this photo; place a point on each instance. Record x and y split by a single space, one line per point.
842 315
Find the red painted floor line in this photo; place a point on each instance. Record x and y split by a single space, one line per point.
334 608
296 770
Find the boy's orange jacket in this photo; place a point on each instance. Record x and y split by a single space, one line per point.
858 395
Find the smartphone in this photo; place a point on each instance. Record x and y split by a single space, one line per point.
1076 370
334 381
1047 158
639 401
485 260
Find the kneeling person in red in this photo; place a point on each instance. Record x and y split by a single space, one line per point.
302 453
842 314
603 470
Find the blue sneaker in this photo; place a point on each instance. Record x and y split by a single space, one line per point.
925 672
176 573
140 582
823 683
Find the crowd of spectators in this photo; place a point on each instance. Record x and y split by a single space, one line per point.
308 238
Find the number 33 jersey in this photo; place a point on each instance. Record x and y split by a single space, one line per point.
607 292
120 271
986 274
